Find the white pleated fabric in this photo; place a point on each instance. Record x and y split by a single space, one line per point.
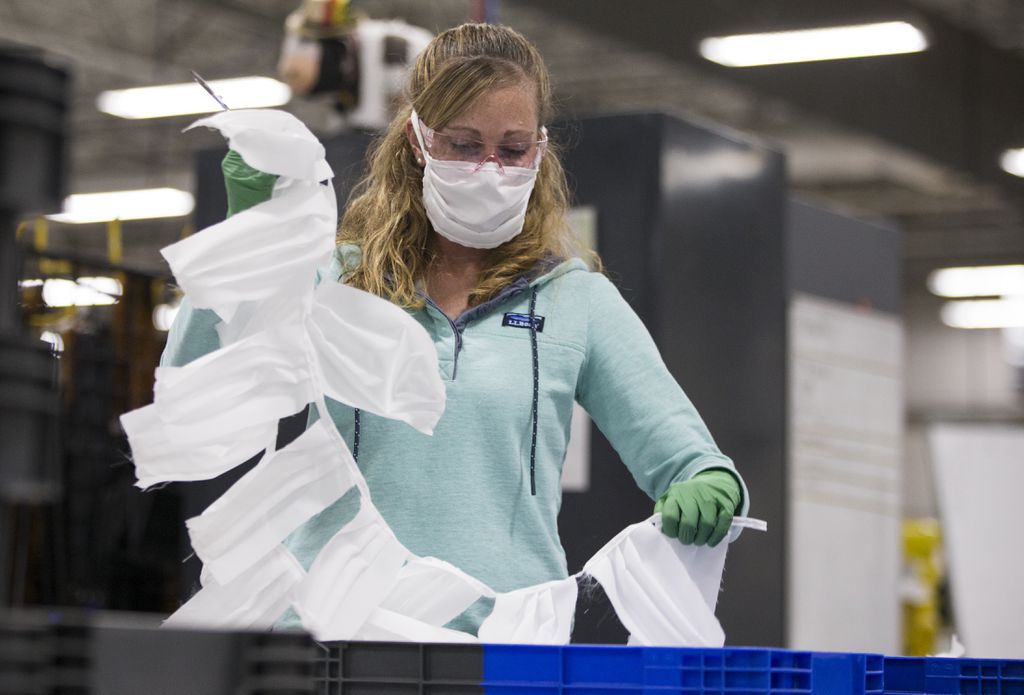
214 413
650 581
264 377
272 141
286 345
158 458
273 248
388 626
350 577
375 357
433 591
540 614
254 601
269 502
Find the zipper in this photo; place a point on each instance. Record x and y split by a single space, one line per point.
455 329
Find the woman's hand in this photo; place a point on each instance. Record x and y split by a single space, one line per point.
700 510
245 186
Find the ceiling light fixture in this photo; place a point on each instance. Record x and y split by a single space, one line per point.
826 43
54 339
984 313
143 204
1012 162
86 291
189 98
977 281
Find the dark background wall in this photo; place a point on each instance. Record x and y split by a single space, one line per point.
691 227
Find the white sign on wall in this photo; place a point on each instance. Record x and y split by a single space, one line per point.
846 434
979 473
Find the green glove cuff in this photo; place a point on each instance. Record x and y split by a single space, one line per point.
245 186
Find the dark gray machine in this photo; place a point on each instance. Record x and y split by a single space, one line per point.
697 227
690 223
33 104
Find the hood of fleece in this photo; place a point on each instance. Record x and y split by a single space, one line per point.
569 265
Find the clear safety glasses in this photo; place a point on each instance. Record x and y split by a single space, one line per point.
450 147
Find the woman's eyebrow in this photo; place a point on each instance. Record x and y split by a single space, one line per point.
473 132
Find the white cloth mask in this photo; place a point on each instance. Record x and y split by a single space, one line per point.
350 577
255 600
269 502
538 614
479 206
663 592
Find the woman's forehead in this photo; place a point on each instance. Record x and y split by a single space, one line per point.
501 110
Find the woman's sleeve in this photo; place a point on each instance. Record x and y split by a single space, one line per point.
192 335
634 400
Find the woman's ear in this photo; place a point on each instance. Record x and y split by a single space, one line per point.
416 150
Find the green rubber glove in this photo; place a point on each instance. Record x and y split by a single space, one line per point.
245 186
700 510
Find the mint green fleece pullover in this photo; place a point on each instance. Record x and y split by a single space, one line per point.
463 494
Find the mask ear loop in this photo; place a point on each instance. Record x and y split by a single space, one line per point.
542 147
417 124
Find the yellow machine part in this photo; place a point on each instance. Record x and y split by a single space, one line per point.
922 544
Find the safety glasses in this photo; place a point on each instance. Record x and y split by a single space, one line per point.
452 147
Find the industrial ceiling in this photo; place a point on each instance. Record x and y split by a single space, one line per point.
910 138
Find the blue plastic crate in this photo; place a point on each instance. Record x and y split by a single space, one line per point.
935 676
594 670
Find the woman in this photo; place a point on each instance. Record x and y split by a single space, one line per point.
461 220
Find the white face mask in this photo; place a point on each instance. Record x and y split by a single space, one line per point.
476 206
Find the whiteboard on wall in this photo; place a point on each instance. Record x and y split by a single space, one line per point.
979 476
845 443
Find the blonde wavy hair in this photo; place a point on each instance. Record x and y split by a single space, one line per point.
385 216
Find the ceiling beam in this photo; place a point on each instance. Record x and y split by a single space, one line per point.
960 103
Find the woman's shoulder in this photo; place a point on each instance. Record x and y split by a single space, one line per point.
344 260
575 274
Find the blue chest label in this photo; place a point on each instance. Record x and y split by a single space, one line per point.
523 321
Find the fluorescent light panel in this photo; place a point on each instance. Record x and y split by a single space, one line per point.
163 316
984 313
1012 162
978 281
189 98
142 204
86 291
826 43
54 339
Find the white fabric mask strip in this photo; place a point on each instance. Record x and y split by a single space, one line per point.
365 352
255 600
388 626
540 614
158 458
218 406
272 141
267 250
433 591
375 357
350 577
269 502
210 395
652 589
